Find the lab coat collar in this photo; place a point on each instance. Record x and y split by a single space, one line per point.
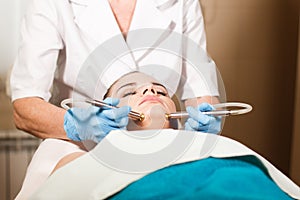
158 3
147 15
80 2
98 21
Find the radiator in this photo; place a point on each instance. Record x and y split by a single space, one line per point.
16 150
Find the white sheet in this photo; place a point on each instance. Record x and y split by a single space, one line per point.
45 158
121 159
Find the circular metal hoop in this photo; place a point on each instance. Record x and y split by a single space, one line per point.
234 108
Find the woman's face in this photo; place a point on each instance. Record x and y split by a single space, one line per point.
146 95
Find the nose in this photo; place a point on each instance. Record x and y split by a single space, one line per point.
149 90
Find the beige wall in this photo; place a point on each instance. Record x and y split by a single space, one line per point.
254 44
6 118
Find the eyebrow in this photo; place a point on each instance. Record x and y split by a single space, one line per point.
158 84
126 85
134 83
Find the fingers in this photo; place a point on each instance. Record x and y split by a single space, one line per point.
116 113
199 121
197 116
94 123
114 118
111 101
83 114
203 107
191 124
121 123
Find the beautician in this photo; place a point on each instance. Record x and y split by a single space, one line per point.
57 36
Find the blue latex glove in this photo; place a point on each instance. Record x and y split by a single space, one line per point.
94 123
201 122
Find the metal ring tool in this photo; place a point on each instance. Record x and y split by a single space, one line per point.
221 109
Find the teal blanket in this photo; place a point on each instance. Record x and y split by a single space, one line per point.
212 178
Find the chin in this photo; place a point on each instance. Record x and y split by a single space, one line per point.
154 119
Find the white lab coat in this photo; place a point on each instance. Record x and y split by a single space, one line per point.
59 35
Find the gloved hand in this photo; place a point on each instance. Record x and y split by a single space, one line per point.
94 123
198 121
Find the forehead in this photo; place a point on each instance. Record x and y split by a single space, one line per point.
136 77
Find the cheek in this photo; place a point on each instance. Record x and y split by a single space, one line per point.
123 102
170 106
173 107
128 101
154 118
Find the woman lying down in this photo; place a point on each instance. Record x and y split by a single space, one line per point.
153 160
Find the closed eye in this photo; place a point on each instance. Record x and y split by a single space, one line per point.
128 94
161 93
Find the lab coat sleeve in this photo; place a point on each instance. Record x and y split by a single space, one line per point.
199 70
193 23
40 42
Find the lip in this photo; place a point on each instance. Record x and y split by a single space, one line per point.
150 98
